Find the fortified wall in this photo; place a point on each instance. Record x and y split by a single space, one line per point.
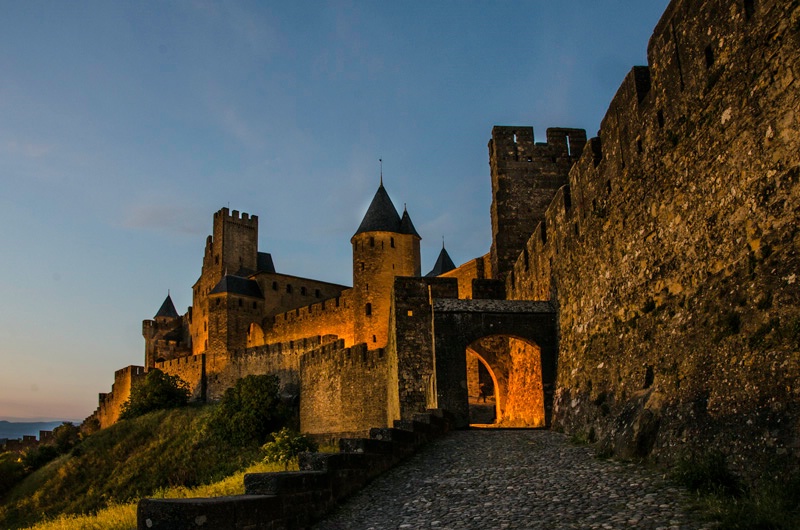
110 404
672 255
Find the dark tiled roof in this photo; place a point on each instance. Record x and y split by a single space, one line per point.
406 226
264 262
237 285
381 215
443 264
167 309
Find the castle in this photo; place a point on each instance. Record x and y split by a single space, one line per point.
641 288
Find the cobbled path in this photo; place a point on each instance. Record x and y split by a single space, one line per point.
498 479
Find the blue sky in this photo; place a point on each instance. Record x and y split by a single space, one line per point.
125 125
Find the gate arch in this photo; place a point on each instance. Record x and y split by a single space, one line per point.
459 323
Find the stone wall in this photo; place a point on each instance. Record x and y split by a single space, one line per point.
478 268
110 404
672 255
329 317
342 390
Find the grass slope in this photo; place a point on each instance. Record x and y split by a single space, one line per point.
125 462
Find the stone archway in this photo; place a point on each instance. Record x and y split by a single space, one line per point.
515 366
529 355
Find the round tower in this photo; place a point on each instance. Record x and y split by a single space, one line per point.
384 246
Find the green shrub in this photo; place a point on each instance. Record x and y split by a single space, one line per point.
66 436
286 444
707 473
38 456
249 411
157 391
12 470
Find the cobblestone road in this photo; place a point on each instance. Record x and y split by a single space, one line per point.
489 478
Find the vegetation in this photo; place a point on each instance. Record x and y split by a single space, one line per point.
123 516
125 462
158 391
285 446
768 505
249 411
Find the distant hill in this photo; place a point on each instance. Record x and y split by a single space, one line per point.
17 429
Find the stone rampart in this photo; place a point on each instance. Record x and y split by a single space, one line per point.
329 317
110 404
672 255
342 390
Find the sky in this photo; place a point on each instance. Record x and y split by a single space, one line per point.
125 125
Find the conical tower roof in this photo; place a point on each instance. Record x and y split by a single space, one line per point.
381 215
167 309
406 226
443 264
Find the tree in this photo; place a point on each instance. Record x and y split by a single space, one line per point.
157 391
249 410
66 436
286 444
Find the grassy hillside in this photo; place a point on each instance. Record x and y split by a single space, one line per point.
125 462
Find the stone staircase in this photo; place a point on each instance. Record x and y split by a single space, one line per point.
297 499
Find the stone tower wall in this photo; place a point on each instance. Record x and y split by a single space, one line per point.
525 177
233 246
673 253
379 257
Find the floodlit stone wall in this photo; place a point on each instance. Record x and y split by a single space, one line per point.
672 255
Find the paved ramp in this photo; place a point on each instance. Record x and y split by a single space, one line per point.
514 479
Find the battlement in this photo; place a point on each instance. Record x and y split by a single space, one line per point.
337 355
129 371
334 305
233 217
517 144
291 347
169 366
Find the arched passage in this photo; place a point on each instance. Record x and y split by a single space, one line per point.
515 366
524 350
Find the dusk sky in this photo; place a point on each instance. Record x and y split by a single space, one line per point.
125 125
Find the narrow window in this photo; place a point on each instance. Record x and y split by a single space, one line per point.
362 265
410 313
391 242
709 52
749 9
216 260
368 309
317 294
289 288
303 291
372 241
255 305
374 338
660 118
274 286
639 146
240 302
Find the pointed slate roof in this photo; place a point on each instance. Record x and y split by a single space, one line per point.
167 309
237 285
443 264
381 215
406 226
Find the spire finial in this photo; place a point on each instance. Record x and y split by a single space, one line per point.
167 292
405 208
381 161
442 242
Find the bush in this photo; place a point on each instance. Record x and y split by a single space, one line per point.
157 391
38 456
286 444
708 474
66 436
12 470
249 410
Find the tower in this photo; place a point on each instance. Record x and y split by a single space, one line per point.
525 178
164 336
232 249
384 246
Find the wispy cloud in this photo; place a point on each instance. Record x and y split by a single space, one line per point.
27 149
181 220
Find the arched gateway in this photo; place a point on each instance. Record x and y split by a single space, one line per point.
528 327
431 332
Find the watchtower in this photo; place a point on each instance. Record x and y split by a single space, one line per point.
384 246
232 249
525 178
